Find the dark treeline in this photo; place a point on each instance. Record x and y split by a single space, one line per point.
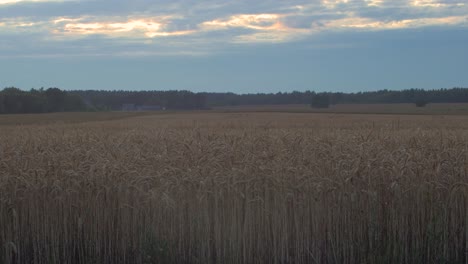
13 100
114 100
454 95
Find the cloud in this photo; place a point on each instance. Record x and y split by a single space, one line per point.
19 25
271 37
333 3
250 21
138 27
435 4
267 28
367 23
203 26
376 3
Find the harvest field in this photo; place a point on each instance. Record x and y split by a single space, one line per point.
430 109
235 188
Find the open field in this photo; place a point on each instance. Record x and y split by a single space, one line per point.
391 109
430 109
235 188
66 118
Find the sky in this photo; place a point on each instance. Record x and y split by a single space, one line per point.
241 46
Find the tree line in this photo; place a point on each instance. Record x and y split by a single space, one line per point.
14 100
114 100
416 96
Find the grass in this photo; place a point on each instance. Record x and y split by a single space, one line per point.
236 188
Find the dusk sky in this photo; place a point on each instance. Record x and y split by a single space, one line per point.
240 46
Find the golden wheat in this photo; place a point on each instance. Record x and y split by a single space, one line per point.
236 188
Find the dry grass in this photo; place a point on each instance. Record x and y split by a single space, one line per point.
236 188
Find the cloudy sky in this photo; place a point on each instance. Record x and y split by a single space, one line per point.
239 45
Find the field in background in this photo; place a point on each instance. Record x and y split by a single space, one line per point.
430 109
234 188
391 109
66 118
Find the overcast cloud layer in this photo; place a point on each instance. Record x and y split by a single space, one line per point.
213 34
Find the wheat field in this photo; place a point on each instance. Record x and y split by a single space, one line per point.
236 188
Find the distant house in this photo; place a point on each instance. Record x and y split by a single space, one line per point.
143 108
129 107
150 108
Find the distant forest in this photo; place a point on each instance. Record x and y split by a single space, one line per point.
14 100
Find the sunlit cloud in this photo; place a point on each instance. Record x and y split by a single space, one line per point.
18 24
250 21
372 24
375 3
65 19
268 28
433 3
147 27
333 3
199 25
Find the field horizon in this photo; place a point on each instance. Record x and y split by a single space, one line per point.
435 109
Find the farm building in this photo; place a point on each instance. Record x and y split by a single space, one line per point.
128 107
133 107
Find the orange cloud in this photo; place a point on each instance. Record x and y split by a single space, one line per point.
147 27
374 2
367 23
432 3
269 27
251 21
